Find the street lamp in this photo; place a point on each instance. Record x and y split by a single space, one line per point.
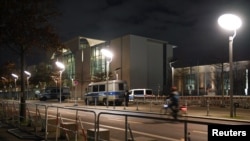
62 68
109 56
4 80
74 84
54 79
172 71
15 77
230 22
116 74
28 77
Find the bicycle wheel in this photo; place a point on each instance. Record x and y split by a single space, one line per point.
163 111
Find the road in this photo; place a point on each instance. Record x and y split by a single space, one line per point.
144 126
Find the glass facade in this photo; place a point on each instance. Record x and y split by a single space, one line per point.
98 65
212 80
70 65
190 83
69 62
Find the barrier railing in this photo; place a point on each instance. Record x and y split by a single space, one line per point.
66 126
10 112
199 100
187 135
46 113
45 122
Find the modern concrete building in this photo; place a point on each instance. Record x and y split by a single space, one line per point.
212 79
143 62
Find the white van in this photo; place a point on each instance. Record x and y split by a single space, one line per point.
140 93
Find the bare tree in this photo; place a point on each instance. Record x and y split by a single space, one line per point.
25 25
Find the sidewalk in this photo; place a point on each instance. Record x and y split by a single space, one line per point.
192 111
5 135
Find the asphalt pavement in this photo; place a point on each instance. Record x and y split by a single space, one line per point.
10 133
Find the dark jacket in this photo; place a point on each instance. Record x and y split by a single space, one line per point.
174 97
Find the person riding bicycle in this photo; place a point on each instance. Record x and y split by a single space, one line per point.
174 104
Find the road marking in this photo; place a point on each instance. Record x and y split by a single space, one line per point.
143 133
119 119
201 132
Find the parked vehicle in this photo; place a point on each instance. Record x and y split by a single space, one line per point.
99 93
140 93
54 93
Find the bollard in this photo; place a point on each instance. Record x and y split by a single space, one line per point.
234 110
95 102
137 105
186 107
207 107
124 105
150 106
114 104
87 103
236 105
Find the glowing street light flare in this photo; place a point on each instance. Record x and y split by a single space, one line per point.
62 67
230 22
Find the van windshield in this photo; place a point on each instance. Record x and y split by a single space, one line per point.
141 92
138 92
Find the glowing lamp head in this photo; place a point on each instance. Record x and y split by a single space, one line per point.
27 73
14 75
229 22
107 53
60 65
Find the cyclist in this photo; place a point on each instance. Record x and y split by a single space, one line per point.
174 101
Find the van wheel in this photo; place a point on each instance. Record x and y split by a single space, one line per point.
105 102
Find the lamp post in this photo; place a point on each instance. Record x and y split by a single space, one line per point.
5 90
172 71
74 84
54 79
15 78
62 68
116 74
230 22
28 77
109 56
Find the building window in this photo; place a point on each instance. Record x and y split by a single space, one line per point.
98 62
190 83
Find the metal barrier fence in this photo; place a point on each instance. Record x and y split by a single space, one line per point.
244 101
43 122
9 113
50 120
66 125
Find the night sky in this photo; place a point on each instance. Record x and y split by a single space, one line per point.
189 24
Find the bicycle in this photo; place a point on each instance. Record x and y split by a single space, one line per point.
164 108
